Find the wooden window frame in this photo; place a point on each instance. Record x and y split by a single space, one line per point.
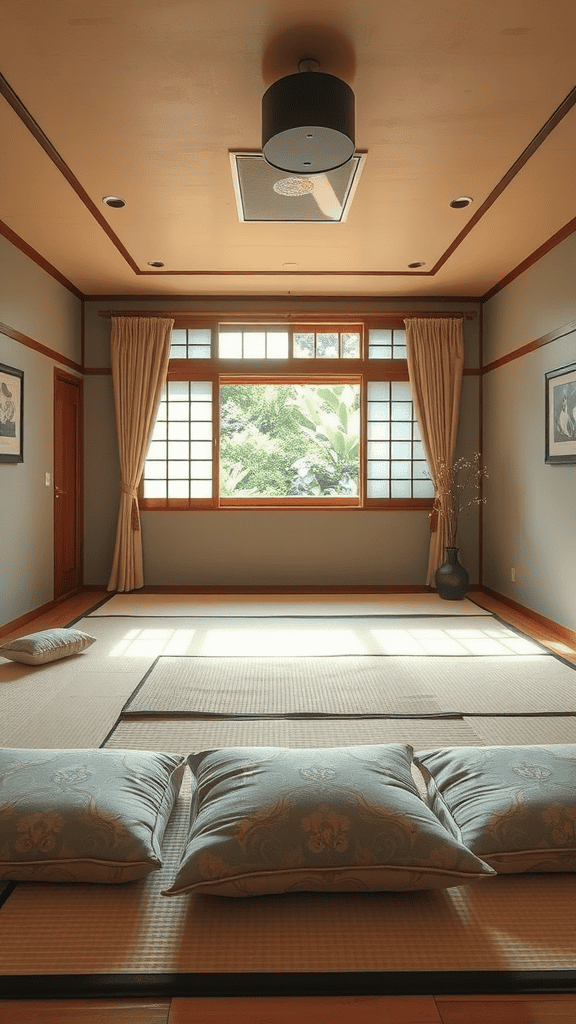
291 370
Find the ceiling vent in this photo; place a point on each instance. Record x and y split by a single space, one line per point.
308 122
265 194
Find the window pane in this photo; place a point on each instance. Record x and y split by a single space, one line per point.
178 470
381 470
178 352
230 345
303 346
378 410
254 345
401 471
378 431
159 432
178 431
200 411
400 489
200 489
327 346
379 352
401 391
154 489
178 391
201 389
401 450
201 431
378 489
350 346
201 470
378 450
172 459
157 450
423 489
200 449
401 431
178 449
277 344
402 411
289 440
378 392
178 489
199 336
155 471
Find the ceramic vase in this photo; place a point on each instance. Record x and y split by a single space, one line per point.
451 578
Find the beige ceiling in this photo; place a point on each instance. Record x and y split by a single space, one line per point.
144 99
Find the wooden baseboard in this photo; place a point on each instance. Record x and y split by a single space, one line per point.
284 589
561 632
9 627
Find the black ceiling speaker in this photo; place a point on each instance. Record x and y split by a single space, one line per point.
308 122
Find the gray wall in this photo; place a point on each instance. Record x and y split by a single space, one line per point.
34 304
264 547
530 517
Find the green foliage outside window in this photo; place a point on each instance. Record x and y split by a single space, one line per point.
289 440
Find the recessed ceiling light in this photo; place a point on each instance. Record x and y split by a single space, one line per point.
461 202
289 266
418 263
155 263
114 202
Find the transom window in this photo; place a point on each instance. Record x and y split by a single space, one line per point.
286 414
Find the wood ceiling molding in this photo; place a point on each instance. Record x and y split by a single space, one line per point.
538 254
31 253
37 346
35 130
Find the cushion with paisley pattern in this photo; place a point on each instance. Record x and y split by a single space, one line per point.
515 807
344 819
84 815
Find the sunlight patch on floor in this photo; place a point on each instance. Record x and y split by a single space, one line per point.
281 643
146 643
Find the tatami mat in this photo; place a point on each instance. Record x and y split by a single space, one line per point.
285 605
510 923
181 736
280 686
132 640
502 732
348 685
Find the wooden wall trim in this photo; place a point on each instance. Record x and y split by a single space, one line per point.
10 627
561 632
31 253
44 350
534 257
290 315
531 346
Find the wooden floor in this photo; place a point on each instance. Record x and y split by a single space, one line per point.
425 1009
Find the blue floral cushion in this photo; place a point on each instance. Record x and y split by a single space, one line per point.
84 815
277 820
515 807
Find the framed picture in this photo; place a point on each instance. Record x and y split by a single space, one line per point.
561 414
11 414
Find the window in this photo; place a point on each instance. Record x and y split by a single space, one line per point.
286 414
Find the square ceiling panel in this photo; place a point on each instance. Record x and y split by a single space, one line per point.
265 194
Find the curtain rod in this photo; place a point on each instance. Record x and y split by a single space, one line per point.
468 314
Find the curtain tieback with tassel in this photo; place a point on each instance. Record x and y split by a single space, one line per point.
132 492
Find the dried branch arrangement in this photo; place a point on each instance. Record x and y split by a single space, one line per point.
458 491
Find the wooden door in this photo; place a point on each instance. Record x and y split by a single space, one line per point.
67 484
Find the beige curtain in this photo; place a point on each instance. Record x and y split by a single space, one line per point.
435 351
140 348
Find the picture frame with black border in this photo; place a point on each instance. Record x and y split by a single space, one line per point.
560 416
11 414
